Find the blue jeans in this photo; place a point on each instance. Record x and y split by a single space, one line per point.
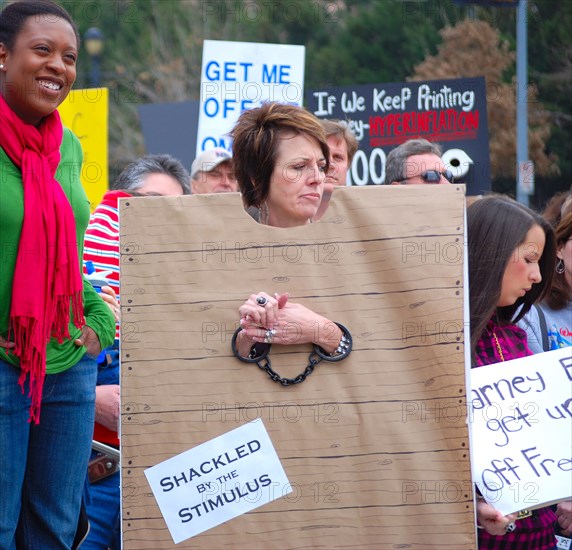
42 467
104 496
103 512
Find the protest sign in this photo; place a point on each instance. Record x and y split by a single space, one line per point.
237 76
521 413
218 480
382 116
375 447
85 113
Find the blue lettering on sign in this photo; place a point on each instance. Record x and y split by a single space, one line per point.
211 142
277 74
228 106
229 70
211 106
213 70
284 74
216 74
213 109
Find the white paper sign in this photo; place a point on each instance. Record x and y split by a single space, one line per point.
237 76
521 413
218 480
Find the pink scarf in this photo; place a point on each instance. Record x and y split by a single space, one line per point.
47 278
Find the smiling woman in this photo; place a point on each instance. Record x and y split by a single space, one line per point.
49 316
280 157
39 67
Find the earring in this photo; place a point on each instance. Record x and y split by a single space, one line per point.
263 213
560 267
1 66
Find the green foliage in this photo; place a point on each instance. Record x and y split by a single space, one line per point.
377 41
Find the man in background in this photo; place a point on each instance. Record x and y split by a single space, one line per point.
417 161
343 146
212 172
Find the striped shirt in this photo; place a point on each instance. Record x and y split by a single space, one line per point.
102 240
102 248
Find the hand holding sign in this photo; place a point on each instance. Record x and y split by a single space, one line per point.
490 519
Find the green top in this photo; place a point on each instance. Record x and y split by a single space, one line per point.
97 314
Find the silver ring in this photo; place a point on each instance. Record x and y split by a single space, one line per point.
511 527
261 301
269 336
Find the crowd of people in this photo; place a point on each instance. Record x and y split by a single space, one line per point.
60 338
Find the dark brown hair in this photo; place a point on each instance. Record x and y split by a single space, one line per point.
256 137
496 226
14 16
560 293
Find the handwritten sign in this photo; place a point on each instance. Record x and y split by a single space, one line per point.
85 113
218 480
522 430
237 76
382 116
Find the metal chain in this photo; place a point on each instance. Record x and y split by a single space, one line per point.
266 365
263 361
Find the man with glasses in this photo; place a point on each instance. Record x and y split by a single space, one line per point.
416 161
212 172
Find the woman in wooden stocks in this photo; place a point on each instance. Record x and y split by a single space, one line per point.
512 254
280 159
52 323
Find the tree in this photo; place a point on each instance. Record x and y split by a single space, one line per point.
474 48
152 54
374 41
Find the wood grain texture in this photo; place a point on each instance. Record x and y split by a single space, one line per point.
376 446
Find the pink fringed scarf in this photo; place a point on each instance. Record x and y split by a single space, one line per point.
47 277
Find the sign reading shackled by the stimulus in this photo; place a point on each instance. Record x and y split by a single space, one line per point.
237 76
218 480
522 430
382 116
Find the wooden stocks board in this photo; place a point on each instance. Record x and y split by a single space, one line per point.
375 447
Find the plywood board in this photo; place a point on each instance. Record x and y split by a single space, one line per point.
376 446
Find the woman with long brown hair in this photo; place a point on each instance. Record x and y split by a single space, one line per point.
512 254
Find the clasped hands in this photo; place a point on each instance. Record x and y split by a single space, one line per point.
262 315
